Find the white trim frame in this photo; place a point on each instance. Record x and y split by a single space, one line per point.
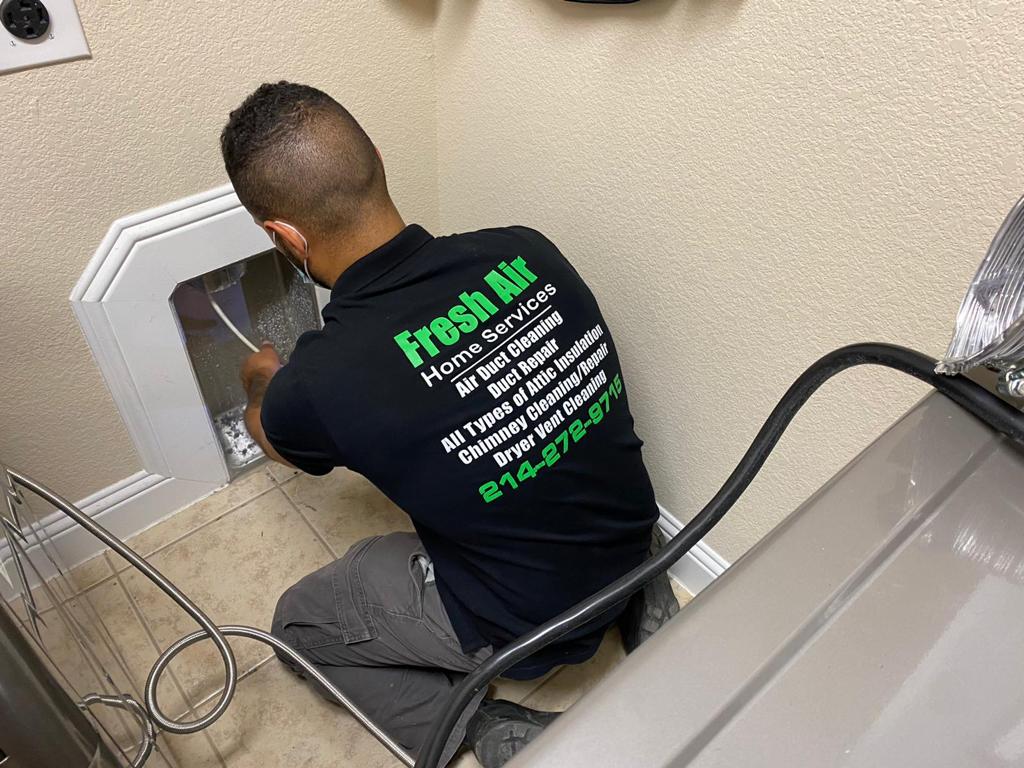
700 566
122 302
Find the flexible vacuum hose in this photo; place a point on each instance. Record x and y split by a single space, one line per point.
209 631
230 325
970 396
973 398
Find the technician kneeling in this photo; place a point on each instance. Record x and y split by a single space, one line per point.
473 380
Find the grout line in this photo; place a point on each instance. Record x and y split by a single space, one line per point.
213 746
113 571
116 575
220 516
242 676
525 700
206 700
110 640
281 483
89 636
258 665
316 532
77 645
540 684
160 747
78 589
153 642
110 564
166 752
190 709
118 565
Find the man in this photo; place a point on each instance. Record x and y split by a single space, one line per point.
473 380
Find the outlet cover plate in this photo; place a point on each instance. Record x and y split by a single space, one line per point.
65 41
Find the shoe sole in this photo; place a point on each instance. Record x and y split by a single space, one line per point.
506 739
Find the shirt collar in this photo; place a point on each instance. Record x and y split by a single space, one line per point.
381 260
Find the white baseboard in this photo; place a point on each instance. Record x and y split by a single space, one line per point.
125 508
700 566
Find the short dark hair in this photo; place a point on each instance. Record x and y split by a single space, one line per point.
294 153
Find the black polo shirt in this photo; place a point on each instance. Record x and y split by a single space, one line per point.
473 380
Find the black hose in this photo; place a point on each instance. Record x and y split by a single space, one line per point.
973 398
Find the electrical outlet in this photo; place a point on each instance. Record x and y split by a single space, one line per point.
34 33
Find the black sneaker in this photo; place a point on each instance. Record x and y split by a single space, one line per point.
649 609
500 729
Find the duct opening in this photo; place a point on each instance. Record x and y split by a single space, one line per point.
266 300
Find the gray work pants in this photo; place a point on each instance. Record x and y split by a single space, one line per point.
373 623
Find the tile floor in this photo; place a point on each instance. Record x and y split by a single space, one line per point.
234 553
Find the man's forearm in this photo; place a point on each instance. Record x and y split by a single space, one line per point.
256 390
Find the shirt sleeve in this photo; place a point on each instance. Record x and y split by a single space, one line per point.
293 428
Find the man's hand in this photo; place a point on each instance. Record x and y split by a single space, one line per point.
258 369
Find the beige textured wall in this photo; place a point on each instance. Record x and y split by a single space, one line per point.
746 185
86 142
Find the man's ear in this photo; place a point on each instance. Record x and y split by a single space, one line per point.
286 237
273 231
